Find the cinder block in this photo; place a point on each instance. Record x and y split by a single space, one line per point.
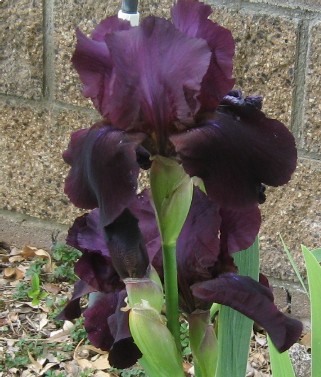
292 4
21 230
300 305
32 170
21 48
312 126
85 15
265 57
293 211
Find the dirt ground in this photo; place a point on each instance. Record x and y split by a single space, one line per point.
33 343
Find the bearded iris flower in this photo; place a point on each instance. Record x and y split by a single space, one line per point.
164 88
206 274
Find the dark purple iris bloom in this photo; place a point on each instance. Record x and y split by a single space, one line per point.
206 274
105 322
164 87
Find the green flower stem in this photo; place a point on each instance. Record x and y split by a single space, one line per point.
171 292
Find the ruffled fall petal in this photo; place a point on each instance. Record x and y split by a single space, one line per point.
236 152
96 266
101 306
239 228
104 170
208 236
276 156
124 352
253 300
86 234
73 310
158 72
191 17
97 271
143 210
93 62
198 245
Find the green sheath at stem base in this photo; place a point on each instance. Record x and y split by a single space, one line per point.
171 292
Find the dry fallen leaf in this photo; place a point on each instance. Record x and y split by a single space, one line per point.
52 288
306 340
100 373
36 366
101 363
16 258
28 252
9 272
43 320
13 273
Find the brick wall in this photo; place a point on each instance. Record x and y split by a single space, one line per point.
278 55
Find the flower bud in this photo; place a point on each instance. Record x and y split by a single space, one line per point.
203 342
172 191
151 335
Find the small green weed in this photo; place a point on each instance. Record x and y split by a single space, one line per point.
184 329
35 292
21 291
35 267
78 332
21 359
65 258
86 373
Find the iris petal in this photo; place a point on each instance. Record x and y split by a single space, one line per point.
126 246
124 352
239 228
237 151
73 310
253 300
103 170
97 271
198 245
93 62
158 71
191 17
100 307
86 234
208 236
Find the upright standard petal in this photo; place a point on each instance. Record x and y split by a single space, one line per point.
253 300
93 62
236 152
158 72
191 17
104 170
